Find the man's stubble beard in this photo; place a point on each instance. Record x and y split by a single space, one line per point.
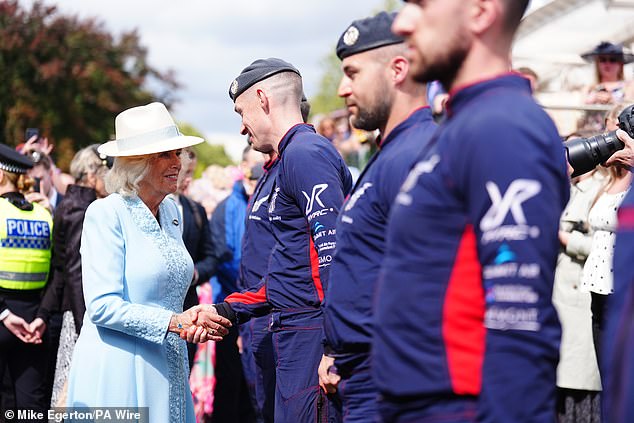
444 68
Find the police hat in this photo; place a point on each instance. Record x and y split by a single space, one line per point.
12 161
608 49
256 72
367 34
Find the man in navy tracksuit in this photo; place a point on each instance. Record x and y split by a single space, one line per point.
381 95
311 182
256 339
465 329
618 339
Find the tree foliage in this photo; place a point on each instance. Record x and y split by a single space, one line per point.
207 154
69 77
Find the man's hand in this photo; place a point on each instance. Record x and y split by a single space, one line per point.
623 157
32 144
328 380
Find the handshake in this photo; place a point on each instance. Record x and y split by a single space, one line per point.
200 324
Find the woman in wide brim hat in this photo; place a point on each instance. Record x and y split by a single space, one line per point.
610 86
136 272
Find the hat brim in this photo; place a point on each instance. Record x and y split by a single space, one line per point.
111 148
627 57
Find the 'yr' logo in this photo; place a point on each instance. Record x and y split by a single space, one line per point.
314 197
517 193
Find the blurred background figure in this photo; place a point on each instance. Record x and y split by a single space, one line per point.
578 379
65 290
326 128
610 86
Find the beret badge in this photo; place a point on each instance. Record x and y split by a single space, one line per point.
234 87
351 36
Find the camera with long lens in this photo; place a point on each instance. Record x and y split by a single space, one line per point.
584 154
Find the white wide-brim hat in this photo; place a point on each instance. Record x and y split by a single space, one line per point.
146 130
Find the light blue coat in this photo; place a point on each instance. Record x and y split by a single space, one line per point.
135 275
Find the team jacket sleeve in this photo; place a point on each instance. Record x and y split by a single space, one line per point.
515 187
240 307
318 185
103 257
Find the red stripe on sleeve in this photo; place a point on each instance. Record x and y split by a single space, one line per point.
248 297
463 318
626 218
314 269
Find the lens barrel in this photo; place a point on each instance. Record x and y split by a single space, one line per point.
584 154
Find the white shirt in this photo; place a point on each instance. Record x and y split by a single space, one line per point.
598 269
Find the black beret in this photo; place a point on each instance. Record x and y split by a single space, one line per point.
367 34
12 161
256 72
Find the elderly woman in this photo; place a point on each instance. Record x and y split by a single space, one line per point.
135 272
64 291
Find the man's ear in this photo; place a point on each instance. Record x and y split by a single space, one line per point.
484 13
399 67
264 100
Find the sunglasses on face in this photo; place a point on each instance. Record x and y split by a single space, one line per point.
609 59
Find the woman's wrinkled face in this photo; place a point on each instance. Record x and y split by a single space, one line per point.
162 175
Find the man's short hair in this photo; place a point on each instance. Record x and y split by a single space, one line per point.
284 86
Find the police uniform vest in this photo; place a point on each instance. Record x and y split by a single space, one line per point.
25 246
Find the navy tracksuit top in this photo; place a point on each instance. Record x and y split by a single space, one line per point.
463 302
361 228
257 240
310 185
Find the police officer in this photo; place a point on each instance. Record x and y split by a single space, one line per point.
25 253
306 195
465 328
380 94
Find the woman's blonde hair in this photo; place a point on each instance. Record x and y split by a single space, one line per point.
19 181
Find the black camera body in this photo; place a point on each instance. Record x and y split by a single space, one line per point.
584 154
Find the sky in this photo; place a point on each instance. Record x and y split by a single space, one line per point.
207 43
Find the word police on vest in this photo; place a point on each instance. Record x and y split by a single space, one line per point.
28 228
